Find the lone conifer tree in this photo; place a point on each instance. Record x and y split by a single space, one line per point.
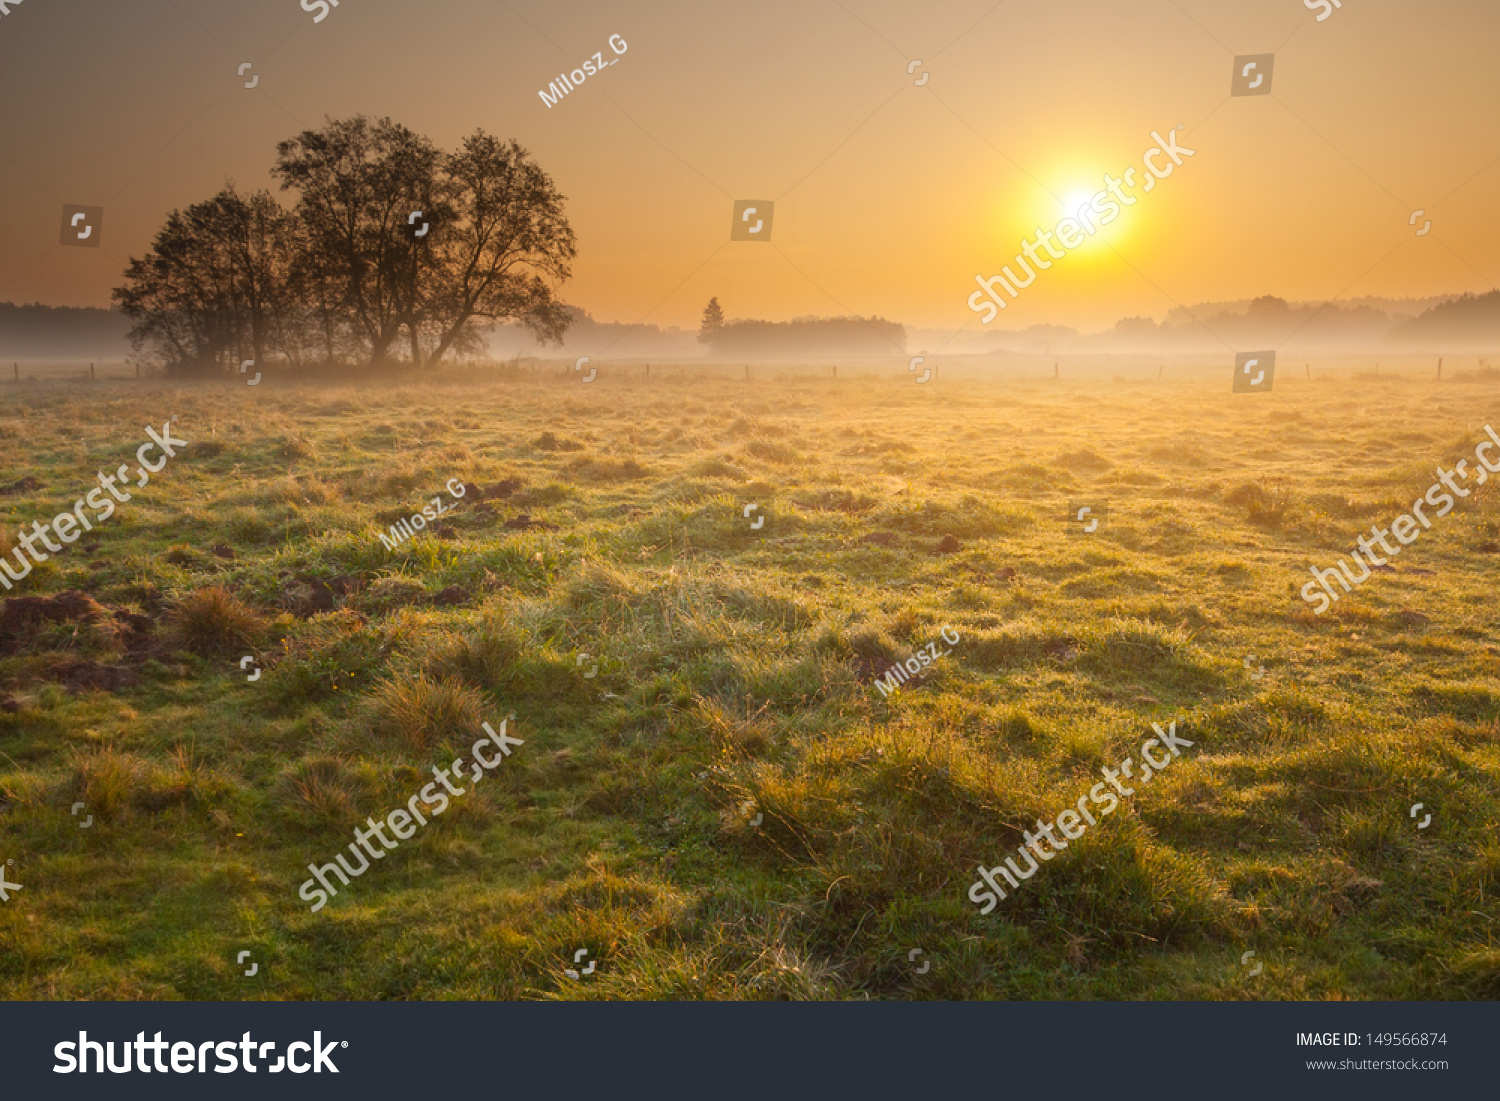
713 321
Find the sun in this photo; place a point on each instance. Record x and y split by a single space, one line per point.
1075 199
1067 194
1077 203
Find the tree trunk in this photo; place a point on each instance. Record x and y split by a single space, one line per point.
381 344
449 336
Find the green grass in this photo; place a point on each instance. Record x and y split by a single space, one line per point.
735 673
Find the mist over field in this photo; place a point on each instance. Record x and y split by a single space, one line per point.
1414 329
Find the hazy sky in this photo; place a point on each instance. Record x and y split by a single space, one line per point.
889 196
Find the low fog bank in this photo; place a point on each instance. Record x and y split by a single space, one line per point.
1397 329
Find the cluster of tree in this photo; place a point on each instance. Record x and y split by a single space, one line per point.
815 337
393 251
621 339
1471 319
1268 320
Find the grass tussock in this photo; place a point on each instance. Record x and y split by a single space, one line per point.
420 713
213 621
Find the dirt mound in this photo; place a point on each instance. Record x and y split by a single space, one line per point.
135 631
452 595
81 675
1062 650
114 626
325 592
68 606
524 522
309 596
500 490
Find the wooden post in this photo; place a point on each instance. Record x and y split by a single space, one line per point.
18 371
1308 367
1440 368
137 370
1054 370
648 370
91 370
1159 370
747 372
835 370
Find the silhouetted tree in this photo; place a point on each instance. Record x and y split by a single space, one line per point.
389 234
713 321
358 185
508 238
215 287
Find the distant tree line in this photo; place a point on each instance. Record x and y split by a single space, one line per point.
1470 318
393 252
824 337
38 331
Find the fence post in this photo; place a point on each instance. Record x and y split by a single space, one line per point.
18 371
1440 368
91 370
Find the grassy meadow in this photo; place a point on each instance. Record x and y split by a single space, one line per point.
604 526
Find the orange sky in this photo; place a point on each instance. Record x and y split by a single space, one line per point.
889 196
